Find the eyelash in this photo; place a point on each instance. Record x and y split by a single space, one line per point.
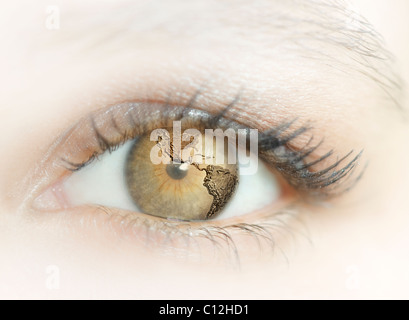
275 148
222 237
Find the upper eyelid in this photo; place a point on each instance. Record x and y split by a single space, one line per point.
125 120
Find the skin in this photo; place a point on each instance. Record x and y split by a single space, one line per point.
352 247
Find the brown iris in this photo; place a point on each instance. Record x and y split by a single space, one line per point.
180 189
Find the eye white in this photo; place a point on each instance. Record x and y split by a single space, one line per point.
254 192
103 183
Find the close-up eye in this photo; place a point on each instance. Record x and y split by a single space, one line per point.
194 173
191 171
204 149
144 175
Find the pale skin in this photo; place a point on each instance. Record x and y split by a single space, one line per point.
289 61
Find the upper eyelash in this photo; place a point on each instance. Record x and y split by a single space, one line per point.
274 147
297 172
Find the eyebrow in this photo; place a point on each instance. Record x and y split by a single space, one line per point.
352 43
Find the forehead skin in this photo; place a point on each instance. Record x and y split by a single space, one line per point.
309 59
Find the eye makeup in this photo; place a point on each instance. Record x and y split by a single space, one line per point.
108 129
307 177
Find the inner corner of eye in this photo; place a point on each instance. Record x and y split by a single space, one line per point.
176 177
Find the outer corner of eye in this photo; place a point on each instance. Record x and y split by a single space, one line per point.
198 186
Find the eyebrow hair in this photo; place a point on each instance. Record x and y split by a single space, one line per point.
311 25
354 33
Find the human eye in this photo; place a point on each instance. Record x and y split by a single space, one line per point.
102 168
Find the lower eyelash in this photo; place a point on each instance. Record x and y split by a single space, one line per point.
190 236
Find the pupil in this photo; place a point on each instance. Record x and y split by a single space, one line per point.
177 171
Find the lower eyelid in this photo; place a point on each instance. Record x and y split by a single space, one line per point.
216 242
53 198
